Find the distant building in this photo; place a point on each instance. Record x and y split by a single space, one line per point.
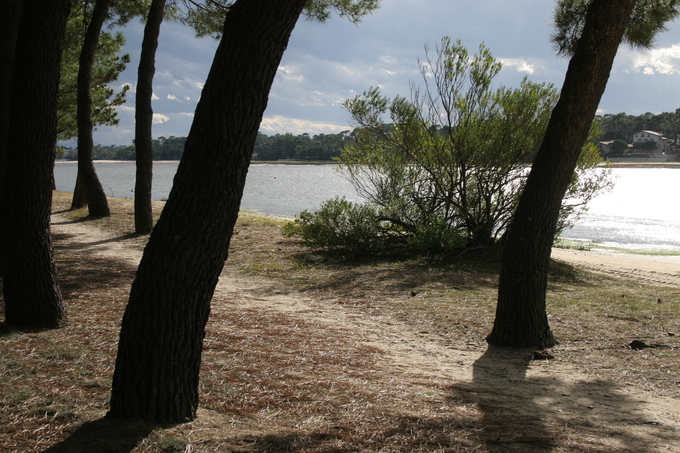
605 147
661 142
647 146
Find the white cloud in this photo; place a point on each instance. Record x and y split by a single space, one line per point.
386 59
520 64
154 97
280 124
159 118
662 60
172 97
290 74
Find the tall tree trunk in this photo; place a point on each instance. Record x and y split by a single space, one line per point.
159 352
97 204
9 27
144 118
32 296
521 319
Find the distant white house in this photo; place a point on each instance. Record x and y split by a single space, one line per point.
662 143
641 149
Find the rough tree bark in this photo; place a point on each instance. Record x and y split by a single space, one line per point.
88 187
521 319
32 296
159 352
144 119
9 27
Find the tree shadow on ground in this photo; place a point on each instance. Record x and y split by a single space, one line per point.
477 270
7 330
524 412
104 436
93 273
63 240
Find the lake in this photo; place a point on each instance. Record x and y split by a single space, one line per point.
640 213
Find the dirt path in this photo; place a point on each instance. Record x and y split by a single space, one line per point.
431 374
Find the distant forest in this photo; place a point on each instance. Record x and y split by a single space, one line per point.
324 147
622 126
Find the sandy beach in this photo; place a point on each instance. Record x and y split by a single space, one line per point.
652 269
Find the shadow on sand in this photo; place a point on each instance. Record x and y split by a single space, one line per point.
525 412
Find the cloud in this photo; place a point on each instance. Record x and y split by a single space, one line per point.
280 124
662 60
307 81
520 64
159 118
330 62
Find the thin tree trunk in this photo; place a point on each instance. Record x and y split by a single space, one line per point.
79 199
159 352
32 296
97 204
144 119
521 319
9 27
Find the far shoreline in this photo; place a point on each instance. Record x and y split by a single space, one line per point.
326 162
254 162
639 164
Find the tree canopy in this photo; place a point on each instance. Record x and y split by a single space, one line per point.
207 17
648 19
107 67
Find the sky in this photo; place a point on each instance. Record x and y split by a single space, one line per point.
327 63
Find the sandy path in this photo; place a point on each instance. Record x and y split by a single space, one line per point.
657 270
497 384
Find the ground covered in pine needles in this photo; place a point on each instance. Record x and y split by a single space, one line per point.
309 352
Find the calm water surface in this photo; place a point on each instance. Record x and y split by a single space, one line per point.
283 190
639 213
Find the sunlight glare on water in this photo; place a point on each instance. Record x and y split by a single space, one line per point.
639 213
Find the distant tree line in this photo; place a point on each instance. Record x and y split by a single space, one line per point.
621 126
300 147
325 147
322 147
170 148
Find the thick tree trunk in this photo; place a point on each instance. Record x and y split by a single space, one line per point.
159 352
32 296
97 204
144 119
521 319
9 27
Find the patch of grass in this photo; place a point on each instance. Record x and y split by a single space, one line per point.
574 244
646 251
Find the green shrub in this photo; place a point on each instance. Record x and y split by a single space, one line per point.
339 224
362 228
